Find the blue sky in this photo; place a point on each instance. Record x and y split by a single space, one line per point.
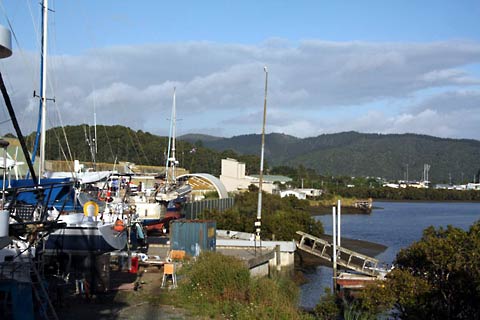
369 66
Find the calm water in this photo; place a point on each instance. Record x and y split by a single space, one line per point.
396 225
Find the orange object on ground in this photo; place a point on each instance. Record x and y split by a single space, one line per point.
169 270
177 254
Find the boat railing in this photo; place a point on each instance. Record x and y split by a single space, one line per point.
28 203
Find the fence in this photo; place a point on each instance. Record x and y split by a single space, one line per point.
194 210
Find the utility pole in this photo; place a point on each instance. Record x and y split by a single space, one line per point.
258 223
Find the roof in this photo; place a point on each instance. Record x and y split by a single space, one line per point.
221 190
272 178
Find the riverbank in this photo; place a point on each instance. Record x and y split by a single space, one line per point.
323 210
427 201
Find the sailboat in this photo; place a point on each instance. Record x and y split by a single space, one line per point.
173 192
85 230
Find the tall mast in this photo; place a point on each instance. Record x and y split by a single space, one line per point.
258 223
43 97
171 161
95 150
174 129
44 86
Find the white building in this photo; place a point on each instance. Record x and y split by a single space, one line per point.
473 186
234 179
233 175
310 192
297 193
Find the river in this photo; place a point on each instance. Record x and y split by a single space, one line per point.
394 224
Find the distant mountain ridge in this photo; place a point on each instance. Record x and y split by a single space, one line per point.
393 156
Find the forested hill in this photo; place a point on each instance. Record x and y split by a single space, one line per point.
124 144
359 154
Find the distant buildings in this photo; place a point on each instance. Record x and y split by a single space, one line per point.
468 186
411 184
426 184
234 179
300 195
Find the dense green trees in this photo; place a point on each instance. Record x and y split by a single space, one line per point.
281 217
437 277
360 154
119 143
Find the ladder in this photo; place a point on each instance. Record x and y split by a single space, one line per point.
46 309
346 258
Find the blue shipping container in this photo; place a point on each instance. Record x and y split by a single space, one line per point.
193 236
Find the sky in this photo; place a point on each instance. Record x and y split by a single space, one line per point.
370 66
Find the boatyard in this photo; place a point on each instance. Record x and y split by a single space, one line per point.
239 160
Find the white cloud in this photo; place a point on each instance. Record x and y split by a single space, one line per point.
220 87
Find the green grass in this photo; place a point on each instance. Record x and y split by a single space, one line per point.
220 287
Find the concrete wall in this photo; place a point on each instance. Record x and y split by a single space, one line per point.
274 256
233 169
233 175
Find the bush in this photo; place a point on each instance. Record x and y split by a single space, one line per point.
216 277
328 307
220 286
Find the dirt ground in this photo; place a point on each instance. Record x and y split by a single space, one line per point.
131 297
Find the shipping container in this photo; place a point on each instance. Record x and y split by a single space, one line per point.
193 236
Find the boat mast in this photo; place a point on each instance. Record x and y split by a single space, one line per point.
171 161
95 150
43 99
174 129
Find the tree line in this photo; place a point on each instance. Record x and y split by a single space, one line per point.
119 143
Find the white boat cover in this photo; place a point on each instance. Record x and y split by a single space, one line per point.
82 177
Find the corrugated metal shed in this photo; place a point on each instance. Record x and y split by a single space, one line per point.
193 236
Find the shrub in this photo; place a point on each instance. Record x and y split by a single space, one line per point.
216 285
216 277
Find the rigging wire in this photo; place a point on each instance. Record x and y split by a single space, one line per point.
109 144
140 147
64 134
133 145
23 58
17 42
53 57
62 149
57 62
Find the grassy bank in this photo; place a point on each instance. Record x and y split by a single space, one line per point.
220 287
